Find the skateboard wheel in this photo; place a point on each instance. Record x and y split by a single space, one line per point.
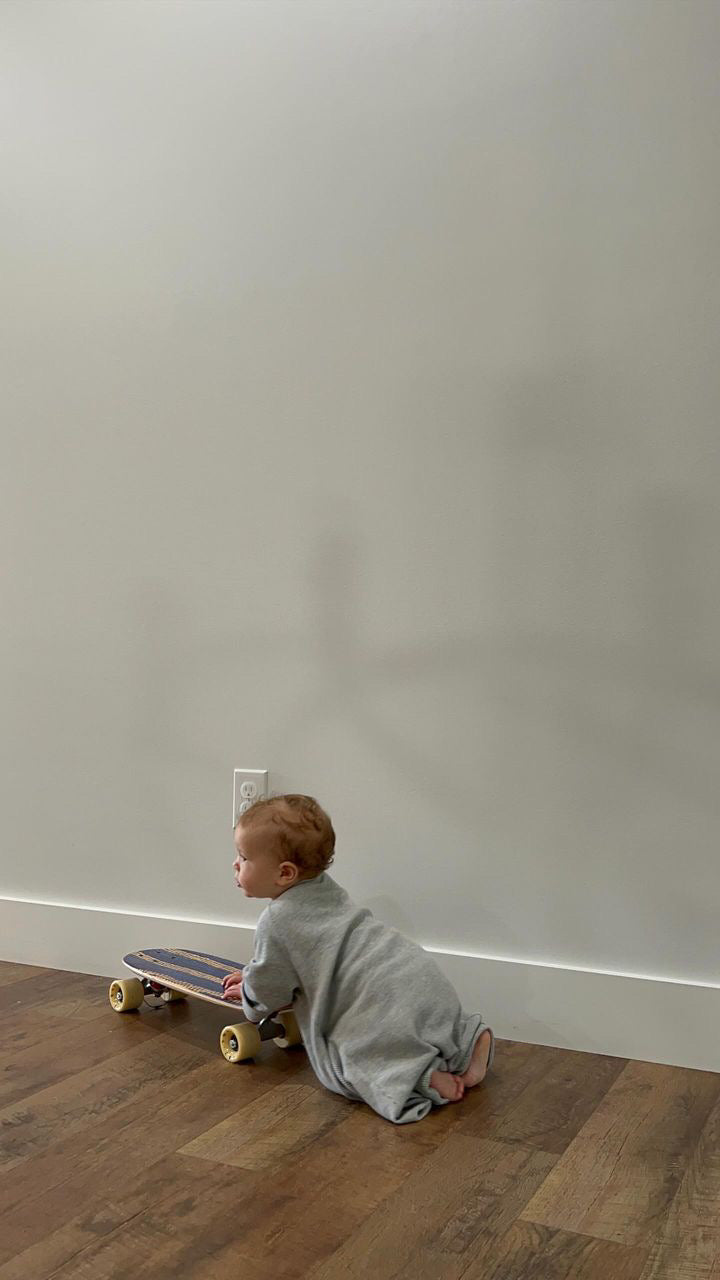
126 994
169 997
240 1041
288 1022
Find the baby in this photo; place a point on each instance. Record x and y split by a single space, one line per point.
380 1022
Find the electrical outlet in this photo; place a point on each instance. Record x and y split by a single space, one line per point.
249 785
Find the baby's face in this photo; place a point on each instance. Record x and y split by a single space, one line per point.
256 868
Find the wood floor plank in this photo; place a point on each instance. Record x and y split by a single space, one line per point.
554 1104
70 1153
531 1252
139 1190
84 1170
77 1103
464 1194
271 1129
63 995
688 1245
350 1171
30 1027
189 1219
279 1220
208 1233
67 1049
516 1067
227 1264
130 1149
327 1192
618 1177
11 972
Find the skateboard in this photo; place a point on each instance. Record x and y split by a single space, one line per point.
172 974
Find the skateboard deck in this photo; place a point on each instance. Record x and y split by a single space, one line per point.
169 974
191 973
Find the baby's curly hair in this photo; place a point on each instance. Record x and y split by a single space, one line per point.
298 829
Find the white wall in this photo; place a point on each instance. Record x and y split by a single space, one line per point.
360 381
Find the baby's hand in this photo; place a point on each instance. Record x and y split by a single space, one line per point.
232 985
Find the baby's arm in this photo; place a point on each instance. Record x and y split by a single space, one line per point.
269 982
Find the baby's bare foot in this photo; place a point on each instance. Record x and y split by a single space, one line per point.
448 1085
478 1063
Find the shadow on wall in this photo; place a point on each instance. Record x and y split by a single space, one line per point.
669 532
581 536
578 528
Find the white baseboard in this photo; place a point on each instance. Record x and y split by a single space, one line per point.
624 1015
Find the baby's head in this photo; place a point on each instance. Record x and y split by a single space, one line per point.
279 842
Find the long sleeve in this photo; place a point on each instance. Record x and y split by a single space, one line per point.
269 980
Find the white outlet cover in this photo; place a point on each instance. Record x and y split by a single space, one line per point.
249 785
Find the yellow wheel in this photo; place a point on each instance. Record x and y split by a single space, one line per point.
126 994
288 1022
240 1042
169 997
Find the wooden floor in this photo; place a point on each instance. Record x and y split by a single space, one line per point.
130 1148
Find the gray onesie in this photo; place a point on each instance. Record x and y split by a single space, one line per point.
376 1013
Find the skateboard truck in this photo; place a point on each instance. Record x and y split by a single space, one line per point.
166 994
